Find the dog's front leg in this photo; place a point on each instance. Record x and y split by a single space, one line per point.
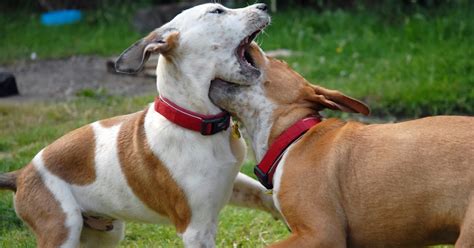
249 193
200 234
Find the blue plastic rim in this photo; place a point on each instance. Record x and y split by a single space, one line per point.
61 17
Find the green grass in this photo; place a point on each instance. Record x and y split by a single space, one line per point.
101 32
237 228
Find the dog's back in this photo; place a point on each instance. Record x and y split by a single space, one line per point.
382 185
409 182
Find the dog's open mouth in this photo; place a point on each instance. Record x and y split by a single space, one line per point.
242 51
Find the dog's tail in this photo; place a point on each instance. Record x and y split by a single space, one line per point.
8 180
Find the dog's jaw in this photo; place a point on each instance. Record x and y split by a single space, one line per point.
246 63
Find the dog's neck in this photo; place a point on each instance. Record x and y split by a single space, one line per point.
186 86
265 127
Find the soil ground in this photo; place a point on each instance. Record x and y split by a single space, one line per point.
63 79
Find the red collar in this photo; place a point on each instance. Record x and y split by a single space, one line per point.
205 124
270 161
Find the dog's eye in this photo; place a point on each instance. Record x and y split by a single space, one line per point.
217 11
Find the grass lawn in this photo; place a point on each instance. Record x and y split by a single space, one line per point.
407 65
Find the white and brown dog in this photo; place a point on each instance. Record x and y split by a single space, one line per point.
145 167
340 183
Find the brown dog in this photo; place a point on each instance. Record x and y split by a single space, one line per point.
350 184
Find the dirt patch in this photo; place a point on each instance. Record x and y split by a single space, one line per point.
63 79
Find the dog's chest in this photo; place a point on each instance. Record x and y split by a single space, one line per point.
203 166
278 177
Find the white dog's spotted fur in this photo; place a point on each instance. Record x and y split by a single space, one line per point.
197 46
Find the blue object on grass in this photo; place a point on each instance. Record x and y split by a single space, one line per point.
61 17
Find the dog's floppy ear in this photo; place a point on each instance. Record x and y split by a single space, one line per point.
158 41
334 99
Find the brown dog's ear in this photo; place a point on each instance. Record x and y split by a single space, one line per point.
158 41
334 99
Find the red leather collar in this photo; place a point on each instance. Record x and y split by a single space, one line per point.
267 167
205 124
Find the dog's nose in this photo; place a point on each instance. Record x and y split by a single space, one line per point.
262 7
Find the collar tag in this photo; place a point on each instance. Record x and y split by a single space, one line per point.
235 130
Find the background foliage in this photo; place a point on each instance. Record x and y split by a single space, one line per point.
404 58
